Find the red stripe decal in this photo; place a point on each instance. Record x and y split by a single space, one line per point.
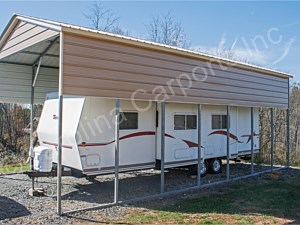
223 132
137 134
144 133
169 136
249 136
55 145
190 143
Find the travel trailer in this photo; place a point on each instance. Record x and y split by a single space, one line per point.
89 133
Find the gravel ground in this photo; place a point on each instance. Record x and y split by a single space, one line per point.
17 207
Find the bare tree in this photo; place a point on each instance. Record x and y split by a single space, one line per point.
153 30
295 117
104 19
166 30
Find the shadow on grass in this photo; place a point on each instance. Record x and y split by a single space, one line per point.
11 209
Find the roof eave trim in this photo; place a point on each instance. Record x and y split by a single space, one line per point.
9 27
170 49
40 23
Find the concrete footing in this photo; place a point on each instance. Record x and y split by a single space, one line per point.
36 192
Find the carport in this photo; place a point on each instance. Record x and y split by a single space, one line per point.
39 56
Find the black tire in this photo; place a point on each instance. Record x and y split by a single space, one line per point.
91 178
215 166
204 169
194 169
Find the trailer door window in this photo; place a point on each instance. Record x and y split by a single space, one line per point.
219 122
128 120
185 122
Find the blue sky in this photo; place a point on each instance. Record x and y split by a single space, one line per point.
266 33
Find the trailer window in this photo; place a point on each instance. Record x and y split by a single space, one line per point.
191 122
219 122
185 122
128 120
179 122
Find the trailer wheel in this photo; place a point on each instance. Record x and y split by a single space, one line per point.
204 168
91 178
215 166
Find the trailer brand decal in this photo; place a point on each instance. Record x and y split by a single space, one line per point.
190 144
223 132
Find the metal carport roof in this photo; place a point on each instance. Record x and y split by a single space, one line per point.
27 39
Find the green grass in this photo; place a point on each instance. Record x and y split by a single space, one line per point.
266 197
14 168
274 199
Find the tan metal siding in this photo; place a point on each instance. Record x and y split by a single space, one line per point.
23 36
15 83
99 68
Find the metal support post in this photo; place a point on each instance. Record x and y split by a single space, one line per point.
199 147
117 153
288 158
31 153
60 121
162 156
228 143
252 142
272 138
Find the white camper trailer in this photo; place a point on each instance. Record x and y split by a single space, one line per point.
89 132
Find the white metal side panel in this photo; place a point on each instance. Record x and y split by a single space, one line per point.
15 83
48 128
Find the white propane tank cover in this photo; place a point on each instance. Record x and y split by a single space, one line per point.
42 159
